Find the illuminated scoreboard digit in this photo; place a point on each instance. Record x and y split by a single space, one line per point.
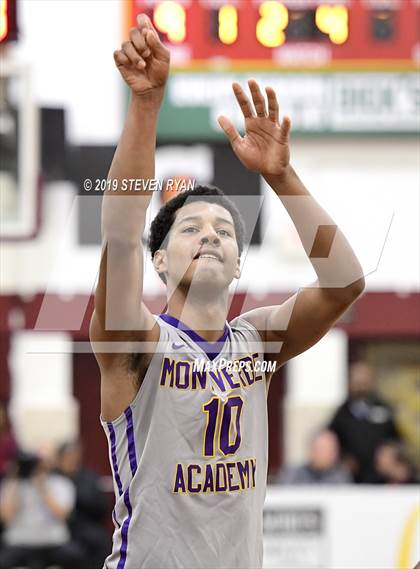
227 24
271 25
169 19
333 21
260 32
8 23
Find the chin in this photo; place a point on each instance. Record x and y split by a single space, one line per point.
205 280
206 283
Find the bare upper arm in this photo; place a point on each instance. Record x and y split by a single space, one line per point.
120 315
300 322
121 327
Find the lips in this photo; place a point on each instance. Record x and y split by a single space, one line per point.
209 254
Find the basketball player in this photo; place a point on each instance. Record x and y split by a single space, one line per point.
188 448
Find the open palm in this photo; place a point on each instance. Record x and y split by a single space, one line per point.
265 146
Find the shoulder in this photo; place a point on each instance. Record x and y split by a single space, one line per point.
241 325
139 360
245 333
140 354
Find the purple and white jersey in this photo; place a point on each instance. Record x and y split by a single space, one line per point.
189 455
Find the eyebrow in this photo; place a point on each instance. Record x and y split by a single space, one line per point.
198 218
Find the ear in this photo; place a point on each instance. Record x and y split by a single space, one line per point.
160 261
238 268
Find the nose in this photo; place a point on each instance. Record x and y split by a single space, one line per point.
210 236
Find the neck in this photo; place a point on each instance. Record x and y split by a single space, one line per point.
206 316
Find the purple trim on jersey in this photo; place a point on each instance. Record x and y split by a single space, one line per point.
133 465
114 457
124 532
212 349
130 438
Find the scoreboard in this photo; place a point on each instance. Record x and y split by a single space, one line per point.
338 66
294 33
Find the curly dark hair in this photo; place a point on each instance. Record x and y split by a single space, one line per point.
163 221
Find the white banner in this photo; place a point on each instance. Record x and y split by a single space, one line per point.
317 102
348 527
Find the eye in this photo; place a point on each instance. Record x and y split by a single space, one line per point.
190 229
224 232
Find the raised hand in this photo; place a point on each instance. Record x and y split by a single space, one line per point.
265 146
143 60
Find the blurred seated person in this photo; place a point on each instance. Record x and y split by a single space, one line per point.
392 465
323 466
86 522
34 506
362 422
8 446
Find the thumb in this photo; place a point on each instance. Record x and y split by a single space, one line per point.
229 129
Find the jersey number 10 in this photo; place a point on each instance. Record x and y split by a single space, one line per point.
220 422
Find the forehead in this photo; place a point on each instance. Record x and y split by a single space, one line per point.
203 210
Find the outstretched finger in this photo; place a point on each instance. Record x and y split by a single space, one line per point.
273 106
243 101
258 98
229 129
285 129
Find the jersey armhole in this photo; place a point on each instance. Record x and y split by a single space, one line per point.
163 339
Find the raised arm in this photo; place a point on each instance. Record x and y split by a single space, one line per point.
120 315
306 317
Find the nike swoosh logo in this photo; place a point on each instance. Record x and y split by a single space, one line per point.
177 346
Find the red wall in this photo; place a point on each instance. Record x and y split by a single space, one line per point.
382 315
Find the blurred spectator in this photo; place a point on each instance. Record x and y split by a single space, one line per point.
8 446
362 423
86 522
392 465
34 506
323 466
